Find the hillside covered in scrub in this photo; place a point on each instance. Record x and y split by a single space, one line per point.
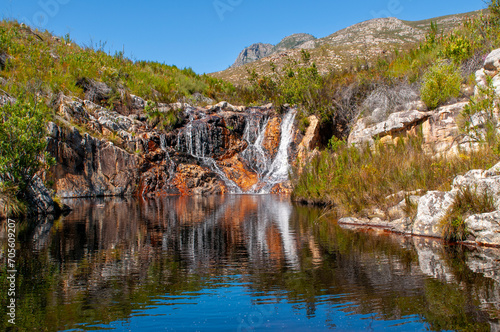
359 45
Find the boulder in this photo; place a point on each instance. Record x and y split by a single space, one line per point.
396 123
225 106
481 81
432 207
87 166
481 182
440 129
137 102
197 180
95 91
39 199
309 142
492 61
484 228
491 69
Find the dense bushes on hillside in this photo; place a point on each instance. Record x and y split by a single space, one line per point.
38 63
439 64
22 151
354 179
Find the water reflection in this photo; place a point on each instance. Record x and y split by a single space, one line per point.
229 262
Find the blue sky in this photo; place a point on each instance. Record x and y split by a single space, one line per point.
208 35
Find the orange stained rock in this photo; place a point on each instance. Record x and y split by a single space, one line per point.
152 146
237 172
189 177
284 188
274 245
272 137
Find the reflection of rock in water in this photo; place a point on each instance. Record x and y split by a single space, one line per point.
430 259
179 243
486 261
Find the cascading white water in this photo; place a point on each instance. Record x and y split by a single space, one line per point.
194 140
277 171
171 164
255 156
196 146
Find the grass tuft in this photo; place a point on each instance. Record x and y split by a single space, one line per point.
467 202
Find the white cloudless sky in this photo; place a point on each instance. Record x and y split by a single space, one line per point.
207 35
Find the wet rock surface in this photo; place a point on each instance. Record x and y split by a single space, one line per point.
216 149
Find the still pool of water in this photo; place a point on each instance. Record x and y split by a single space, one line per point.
239 263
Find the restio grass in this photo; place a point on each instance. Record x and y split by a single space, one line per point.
467 202
353 179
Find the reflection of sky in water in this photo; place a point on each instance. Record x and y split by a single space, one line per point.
238 309
223 262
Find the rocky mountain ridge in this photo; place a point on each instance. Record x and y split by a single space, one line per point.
258 51
360 42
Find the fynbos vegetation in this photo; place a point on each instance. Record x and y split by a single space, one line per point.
354 179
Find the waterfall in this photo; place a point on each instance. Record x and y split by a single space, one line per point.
198 140
254 155
195 144
171 163
276 171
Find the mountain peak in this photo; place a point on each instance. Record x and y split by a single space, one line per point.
258 51
253 53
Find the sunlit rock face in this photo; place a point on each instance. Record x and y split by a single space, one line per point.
213 150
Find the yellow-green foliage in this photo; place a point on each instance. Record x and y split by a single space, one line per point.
354 179
441 83
10 204
39 62
481 119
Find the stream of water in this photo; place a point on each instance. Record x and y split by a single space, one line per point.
239 263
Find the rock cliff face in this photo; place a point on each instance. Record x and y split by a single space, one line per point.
218 149
253 53
259 50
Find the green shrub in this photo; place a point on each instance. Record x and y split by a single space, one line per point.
457 48
440 84
480 119
467 202
165 121
22 144
10 204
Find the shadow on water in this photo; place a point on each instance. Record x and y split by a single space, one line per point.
239 262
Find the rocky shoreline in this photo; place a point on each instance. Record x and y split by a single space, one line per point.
483 228
440 136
